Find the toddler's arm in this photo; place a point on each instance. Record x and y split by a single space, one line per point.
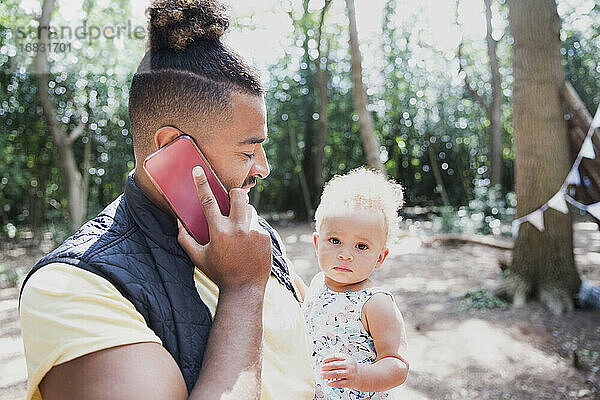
302 288
385 324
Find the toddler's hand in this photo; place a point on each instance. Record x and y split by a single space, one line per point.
343 369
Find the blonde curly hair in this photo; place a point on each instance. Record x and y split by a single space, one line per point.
363 189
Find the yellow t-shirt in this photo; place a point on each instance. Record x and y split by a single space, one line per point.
67 312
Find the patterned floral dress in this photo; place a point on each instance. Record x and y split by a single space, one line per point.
334 326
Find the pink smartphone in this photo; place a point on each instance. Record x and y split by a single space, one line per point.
170 169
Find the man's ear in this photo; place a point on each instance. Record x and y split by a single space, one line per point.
164 135
382 257
316 240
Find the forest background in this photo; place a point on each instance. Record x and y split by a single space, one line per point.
434 134
438 115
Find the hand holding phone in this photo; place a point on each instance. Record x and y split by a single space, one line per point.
219 232
238 256
170 169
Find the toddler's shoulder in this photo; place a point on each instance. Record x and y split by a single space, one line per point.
317 281
316 288
381 304
383 320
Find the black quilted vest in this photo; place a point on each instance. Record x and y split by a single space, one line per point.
133 244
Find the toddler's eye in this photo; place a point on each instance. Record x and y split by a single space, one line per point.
334 240
362 246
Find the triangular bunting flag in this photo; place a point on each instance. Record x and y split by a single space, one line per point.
537 219
558 203
573 177
587 149
594 209
515 228
596 120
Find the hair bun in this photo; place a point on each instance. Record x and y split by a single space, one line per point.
175 24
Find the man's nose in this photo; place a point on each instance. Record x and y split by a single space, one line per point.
261 167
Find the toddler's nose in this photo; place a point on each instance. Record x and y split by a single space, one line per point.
345 257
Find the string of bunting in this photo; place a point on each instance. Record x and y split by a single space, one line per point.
559 200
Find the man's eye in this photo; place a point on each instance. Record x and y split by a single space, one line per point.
362 246
249 155
334 241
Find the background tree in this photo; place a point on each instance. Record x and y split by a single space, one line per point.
365 120
493 107
322 66
543 263
434 136
86 84
74 179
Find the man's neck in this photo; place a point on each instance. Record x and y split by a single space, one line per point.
147 187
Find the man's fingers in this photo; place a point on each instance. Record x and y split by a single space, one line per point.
238 201
207 199
252 216
194 249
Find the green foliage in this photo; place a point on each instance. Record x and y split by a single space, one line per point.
9 277
489 212
292 106
483 300
585 358
88 84
424 117
582 68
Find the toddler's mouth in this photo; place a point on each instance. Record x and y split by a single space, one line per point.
342 268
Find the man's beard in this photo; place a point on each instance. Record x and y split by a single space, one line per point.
250 181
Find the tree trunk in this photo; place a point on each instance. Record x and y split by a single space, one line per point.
496 108
581 116
365 119
309 107
493 111
437 174
543 262
72 177
323 79
301 175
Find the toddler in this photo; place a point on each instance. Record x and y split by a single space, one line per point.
356 330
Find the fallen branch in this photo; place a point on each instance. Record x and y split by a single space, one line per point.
452 239
579 124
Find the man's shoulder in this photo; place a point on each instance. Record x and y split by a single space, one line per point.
113 217
78 313
57 278
95 237
98 233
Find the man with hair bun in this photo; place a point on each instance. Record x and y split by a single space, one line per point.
130 306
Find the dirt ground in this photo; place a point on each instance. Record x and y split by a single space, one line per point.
460 346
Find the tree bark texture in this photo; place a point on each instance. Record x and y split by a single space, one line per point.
365 119
493 109
309 109
437 174
301 175
77 186
543 262
323 80
495 116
